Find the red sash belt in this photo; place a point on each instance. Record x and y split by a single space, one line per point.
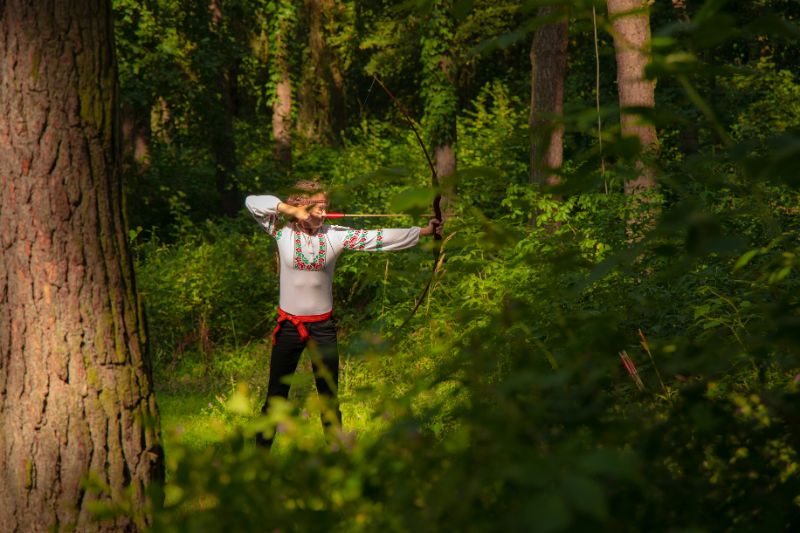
298 321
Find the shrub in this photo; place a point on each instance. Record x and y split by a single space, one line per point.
214 286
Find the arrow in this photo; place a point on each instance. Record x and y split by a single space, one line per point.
349 215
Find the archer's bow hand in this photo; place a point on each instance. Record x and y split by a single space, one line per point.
434 227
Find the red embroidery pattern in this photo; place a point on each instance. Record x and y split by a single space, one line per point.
317 262
355 239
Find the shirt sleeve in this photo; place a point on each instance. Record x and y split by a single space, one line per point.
380 240
265 210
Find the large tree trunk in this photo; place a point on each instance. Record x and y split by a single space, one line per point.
630 21
548 70
75 383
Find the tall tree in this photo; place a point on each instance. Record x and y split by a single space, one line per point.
75 382
438 85
630 23
321 113
136 133
223 108
548 70
280 84
135 38
680 7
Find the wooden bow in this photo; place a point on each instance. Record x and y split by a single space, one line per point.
437 200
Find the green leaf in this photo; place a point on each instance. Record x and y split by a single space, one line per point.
413 199
744 259
701 310
239 402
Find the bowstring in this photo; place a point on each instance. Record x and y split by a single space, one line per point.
369 91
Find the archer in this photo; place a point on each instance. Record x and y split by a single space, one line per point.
308 249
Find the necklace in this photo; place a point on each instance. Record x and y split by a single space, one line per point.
301 262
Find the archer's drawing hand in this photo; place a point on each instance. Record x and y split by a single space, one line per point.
434 227
299 212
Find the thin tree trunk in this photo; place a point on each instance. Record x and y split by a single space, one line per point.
223 143
136 135
75 383
282 101
161 121
312 113
439 92
321 114
688 136
548 70
444 160
335 74
444 137
282 121
630 21
680 8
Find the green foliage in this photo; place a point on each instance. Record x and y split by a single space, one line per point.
175 191
493 147
438 89
504 405
279 23
772 101
214 286
506 408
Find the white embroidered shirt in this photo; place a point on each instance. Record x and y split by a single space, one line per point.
307 261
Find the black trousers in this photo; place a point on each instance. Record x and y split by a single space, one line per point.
324 360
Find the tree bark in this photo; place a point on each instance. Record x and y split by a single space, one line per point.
282 121
630 21
76 395
680 7
548 70
444 139
136 135
282 100
321 115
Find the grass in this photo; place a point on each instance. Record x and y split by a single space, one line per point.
195 402
187 419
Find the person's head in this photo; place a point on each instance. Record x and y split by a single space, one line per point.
312 194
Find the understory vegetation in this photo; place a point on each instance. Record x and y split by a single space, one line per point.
584 359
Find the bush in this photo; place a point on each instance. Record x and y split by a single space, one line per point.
214 286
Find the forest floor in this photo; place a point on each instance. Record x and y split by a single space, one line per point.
194 401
